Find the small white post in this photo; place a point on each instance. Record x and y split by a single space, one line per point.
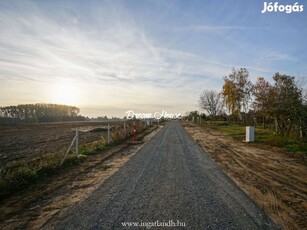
77 142
108 133
250 134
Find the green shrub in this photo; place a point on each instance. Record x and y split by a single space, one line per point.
276 140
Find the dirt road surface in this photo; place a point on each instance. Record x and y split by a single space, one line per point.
169 179
274 180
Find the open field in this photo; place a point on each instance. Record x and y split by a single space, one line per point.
25 142
275 180
31 153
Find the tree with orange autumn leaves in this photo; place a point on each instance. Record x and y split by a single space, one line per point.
237 91
283 102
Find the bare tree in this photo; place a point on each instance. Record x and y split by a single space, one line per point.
210 101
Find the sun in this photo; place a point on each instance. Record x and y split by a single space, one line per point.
65 92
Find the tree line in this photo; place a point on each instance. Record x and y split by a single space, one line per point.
282 104
35 113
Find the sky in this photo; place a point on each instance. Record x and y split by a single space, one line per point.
107 57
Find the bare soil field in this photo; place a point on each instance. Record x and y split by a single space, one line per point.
276 181
25 142
43 205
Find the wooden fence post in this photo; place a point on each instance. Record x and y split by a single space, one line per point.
77 142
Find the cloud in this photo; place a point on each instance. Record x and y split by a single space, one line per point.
226 28
117 63
39 48
116 59
210 28
273 55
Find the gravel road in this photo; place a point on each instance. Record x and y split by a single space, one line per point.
170 181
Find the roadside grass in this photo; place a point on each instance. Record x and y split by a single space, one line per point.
22 174
19 175
294 147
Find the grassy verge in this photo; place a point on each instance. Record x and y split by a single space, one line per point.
292 146
19 175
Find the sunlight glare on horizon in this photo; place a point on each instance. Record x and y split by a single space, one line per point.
66 92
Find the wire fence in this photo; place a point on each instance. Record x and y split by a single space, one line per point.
23 143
